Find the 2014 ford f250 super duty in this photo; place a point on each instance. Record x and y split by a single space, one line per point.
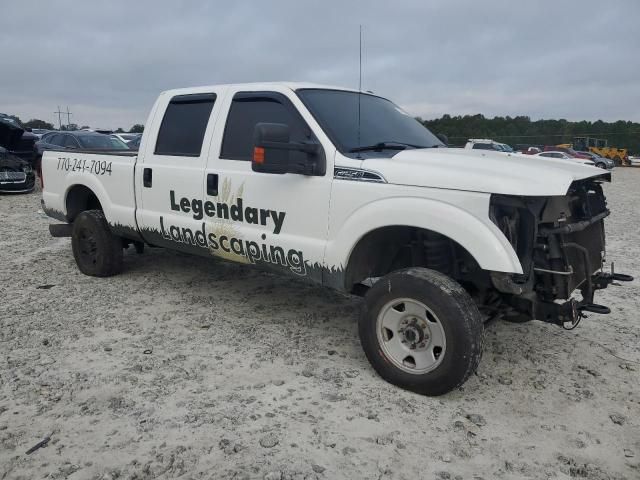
344 189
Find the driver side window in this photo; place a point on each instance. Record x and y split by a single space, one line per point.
250 108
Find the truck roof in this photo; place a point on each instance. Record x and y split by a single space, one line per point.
261 86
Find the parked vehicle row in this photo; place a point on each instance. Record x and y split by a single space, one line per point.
29 145
548 151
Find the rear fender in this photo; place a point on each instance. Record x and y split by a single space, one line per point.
92 183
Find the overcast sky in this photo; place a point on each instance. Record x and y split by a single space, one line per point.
108 60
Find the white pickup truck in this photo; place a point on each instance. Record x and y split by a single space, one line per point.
344 189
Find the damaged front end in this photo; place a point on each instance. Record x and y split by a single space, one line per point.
560 242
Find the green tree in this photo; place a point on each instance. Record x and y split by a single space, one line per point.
119 130
36 123
137 128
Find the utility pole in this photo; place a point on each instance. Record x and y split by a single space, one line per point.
59 118
68 116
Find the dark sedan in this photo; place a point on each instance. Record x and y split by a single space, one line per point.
16 174
78 140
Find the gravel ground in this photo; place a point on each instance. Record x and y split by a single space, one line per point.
184 367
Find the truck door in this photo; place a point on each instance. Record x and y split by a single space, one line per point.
170 170
276 221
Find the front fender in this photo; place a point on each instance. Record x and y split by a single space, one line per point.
469 226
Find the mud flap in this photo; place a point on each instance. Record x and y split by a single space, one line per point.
60 229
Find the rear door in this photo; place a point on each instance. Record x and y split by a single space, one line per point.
170 170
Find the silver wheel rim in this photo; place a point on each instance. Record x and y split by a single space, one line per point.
411 336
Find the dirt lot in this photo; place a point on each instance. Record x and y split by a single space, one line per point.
182 367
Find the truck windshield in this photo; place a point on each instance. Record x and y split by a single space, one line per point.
383 125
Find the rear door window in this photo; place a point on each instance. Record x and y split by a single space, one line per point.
184 124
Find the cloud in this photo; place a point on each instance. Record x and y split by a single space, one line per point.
108 61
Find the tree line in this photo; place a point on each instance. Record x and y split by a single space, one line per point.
521 130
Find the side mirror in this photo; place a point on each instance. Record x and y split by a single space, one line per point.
273 152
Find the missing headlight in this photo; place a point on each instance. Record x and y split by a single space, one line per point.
516 217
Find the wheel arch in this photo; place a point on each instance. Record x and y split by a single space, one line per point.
376 252
479 238
80 197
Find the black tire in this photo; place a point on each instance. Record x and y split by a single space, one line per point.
455 311
601 165
97 251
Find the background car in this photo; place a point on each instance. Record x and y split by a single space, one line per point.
16 174
569 151
487 144
601 162
565 156
77 140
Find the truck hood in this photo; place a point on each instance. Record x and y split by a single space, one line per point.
10 135
482 171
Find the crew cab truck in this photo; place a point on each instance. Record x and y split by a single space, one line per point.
344 189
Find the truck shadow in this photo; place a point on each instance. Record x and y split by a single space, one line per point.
300 323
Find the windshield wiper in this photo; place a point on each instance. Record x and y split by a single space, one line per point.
384 146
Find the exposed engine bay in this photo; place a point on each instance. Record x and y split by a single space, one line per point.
560 242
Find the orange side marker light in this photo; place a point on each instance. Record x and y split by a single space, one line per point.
258 155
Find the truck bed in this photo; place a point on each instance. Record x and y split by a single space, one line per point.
70 176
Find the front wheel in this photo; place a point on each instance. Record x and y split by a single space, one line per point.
421 331
97 251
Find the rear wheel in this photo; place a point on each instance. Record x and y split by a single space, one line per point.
601 165
421 331
97 251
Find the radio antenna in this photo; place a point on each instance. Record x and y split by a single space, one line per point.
359 87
